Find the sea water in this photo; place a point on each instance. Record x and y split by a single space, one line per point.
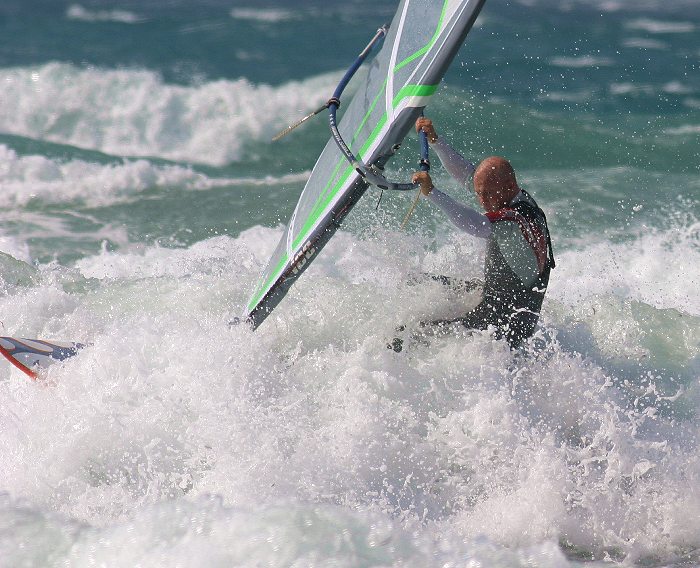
141 198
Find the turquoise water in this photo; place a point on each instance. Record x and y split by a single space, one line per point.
141 198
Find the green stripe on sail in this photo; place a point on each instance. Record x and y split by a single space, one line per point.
261 290
426 47
324 198
400 65
405 92
414 91
322 202
352 141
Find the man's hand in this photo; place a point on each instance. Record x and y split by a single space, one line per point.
426 183
426 125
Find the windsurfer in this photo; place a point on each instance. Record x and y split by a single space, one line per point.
519 252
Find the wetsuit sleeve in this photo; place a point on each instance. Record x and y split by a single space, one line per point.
464 217
457 165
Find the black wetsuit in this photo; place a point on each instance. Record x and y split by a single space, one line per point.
508 303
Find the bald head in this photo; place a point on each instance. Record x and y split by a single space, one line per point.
494 183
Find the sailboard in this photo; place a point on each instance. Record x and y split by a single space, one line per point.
32 355
418 47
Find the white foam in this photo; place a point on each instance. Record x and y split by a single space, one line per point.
134 113
479 459
608 5
25 178
567 96
204 531
677 88
268 16
636 269
157 262
644 43
661 27
581 61
632 89
683 130
15 247
78 12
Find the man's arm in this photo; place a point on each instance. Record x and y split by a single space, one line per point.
457 165
464 217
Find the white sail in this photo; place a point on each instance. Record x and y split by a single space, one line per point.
422 40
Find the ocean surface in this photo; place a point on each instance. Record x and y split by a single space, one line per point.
141 196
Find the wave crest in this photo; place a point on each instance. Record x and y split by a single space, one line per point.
134 113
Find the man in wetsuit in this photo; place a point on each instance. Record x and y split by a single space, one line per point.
519 252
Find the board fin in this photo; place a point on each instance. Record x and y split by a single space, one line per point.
32 355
